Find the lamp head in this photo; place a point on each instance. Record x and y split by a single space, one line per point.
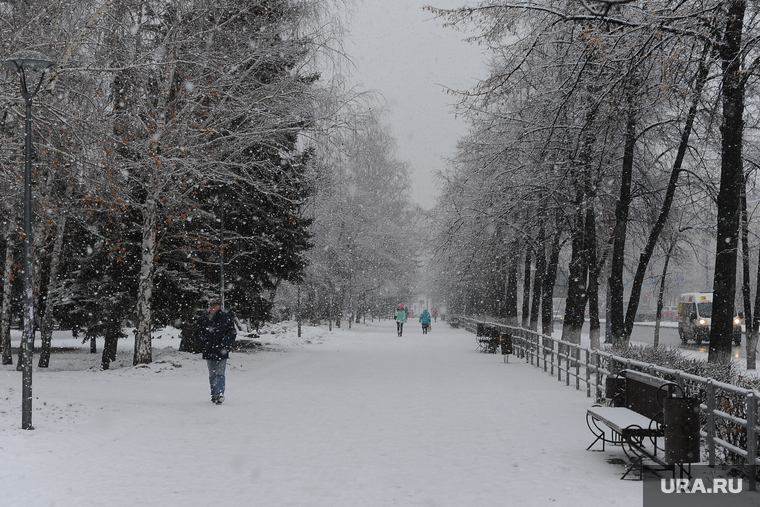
28 59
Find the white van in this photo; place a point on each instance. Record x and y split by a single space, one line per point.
695 318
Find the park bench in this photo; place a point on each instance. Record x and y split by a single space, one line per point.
634 420
487 338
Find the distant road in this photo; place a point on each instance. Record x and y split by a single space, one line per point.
643 332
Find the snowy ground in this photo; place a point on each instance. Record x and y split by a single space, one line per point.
349 418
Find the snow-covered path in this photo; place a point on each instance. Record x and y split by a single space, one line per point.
354 417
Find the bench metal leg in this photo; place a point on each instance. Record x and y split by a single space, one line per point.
633 447
600 434
638 463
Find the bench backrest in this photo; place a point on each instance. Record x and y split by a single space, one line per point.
645 394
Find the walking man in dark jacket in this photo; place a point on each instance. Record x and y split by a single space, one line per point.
216 332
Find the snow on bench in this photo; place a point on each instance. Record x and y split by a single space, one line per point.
619 418
637 424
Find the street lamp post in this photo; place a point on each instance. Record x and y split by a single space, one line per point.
20 61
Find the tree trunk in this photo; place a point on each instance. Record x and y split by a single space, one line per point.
578 273
538 279
659 224
36 274
45 190
547 303
616 317
593 272
658 316
501 280
746 292
5 312
510 296
732 95
754 323
576 302
526 286
187 342
143 350
143 353
111 344
46 324
109 352
339 308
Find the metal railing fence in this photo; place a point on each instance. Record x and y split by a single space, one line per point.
728 413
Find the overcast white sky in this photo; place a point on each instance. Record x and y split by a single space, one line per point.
408 57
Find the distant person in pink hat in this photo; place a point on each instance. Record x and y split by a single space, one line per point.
400 319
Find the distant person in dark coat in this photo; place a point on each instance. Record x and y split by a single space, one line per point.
216 331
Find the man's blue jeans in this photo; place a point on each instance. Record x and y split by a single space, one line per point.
216 376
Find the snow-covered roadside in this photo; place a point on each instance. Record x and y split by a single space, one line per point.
342 418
